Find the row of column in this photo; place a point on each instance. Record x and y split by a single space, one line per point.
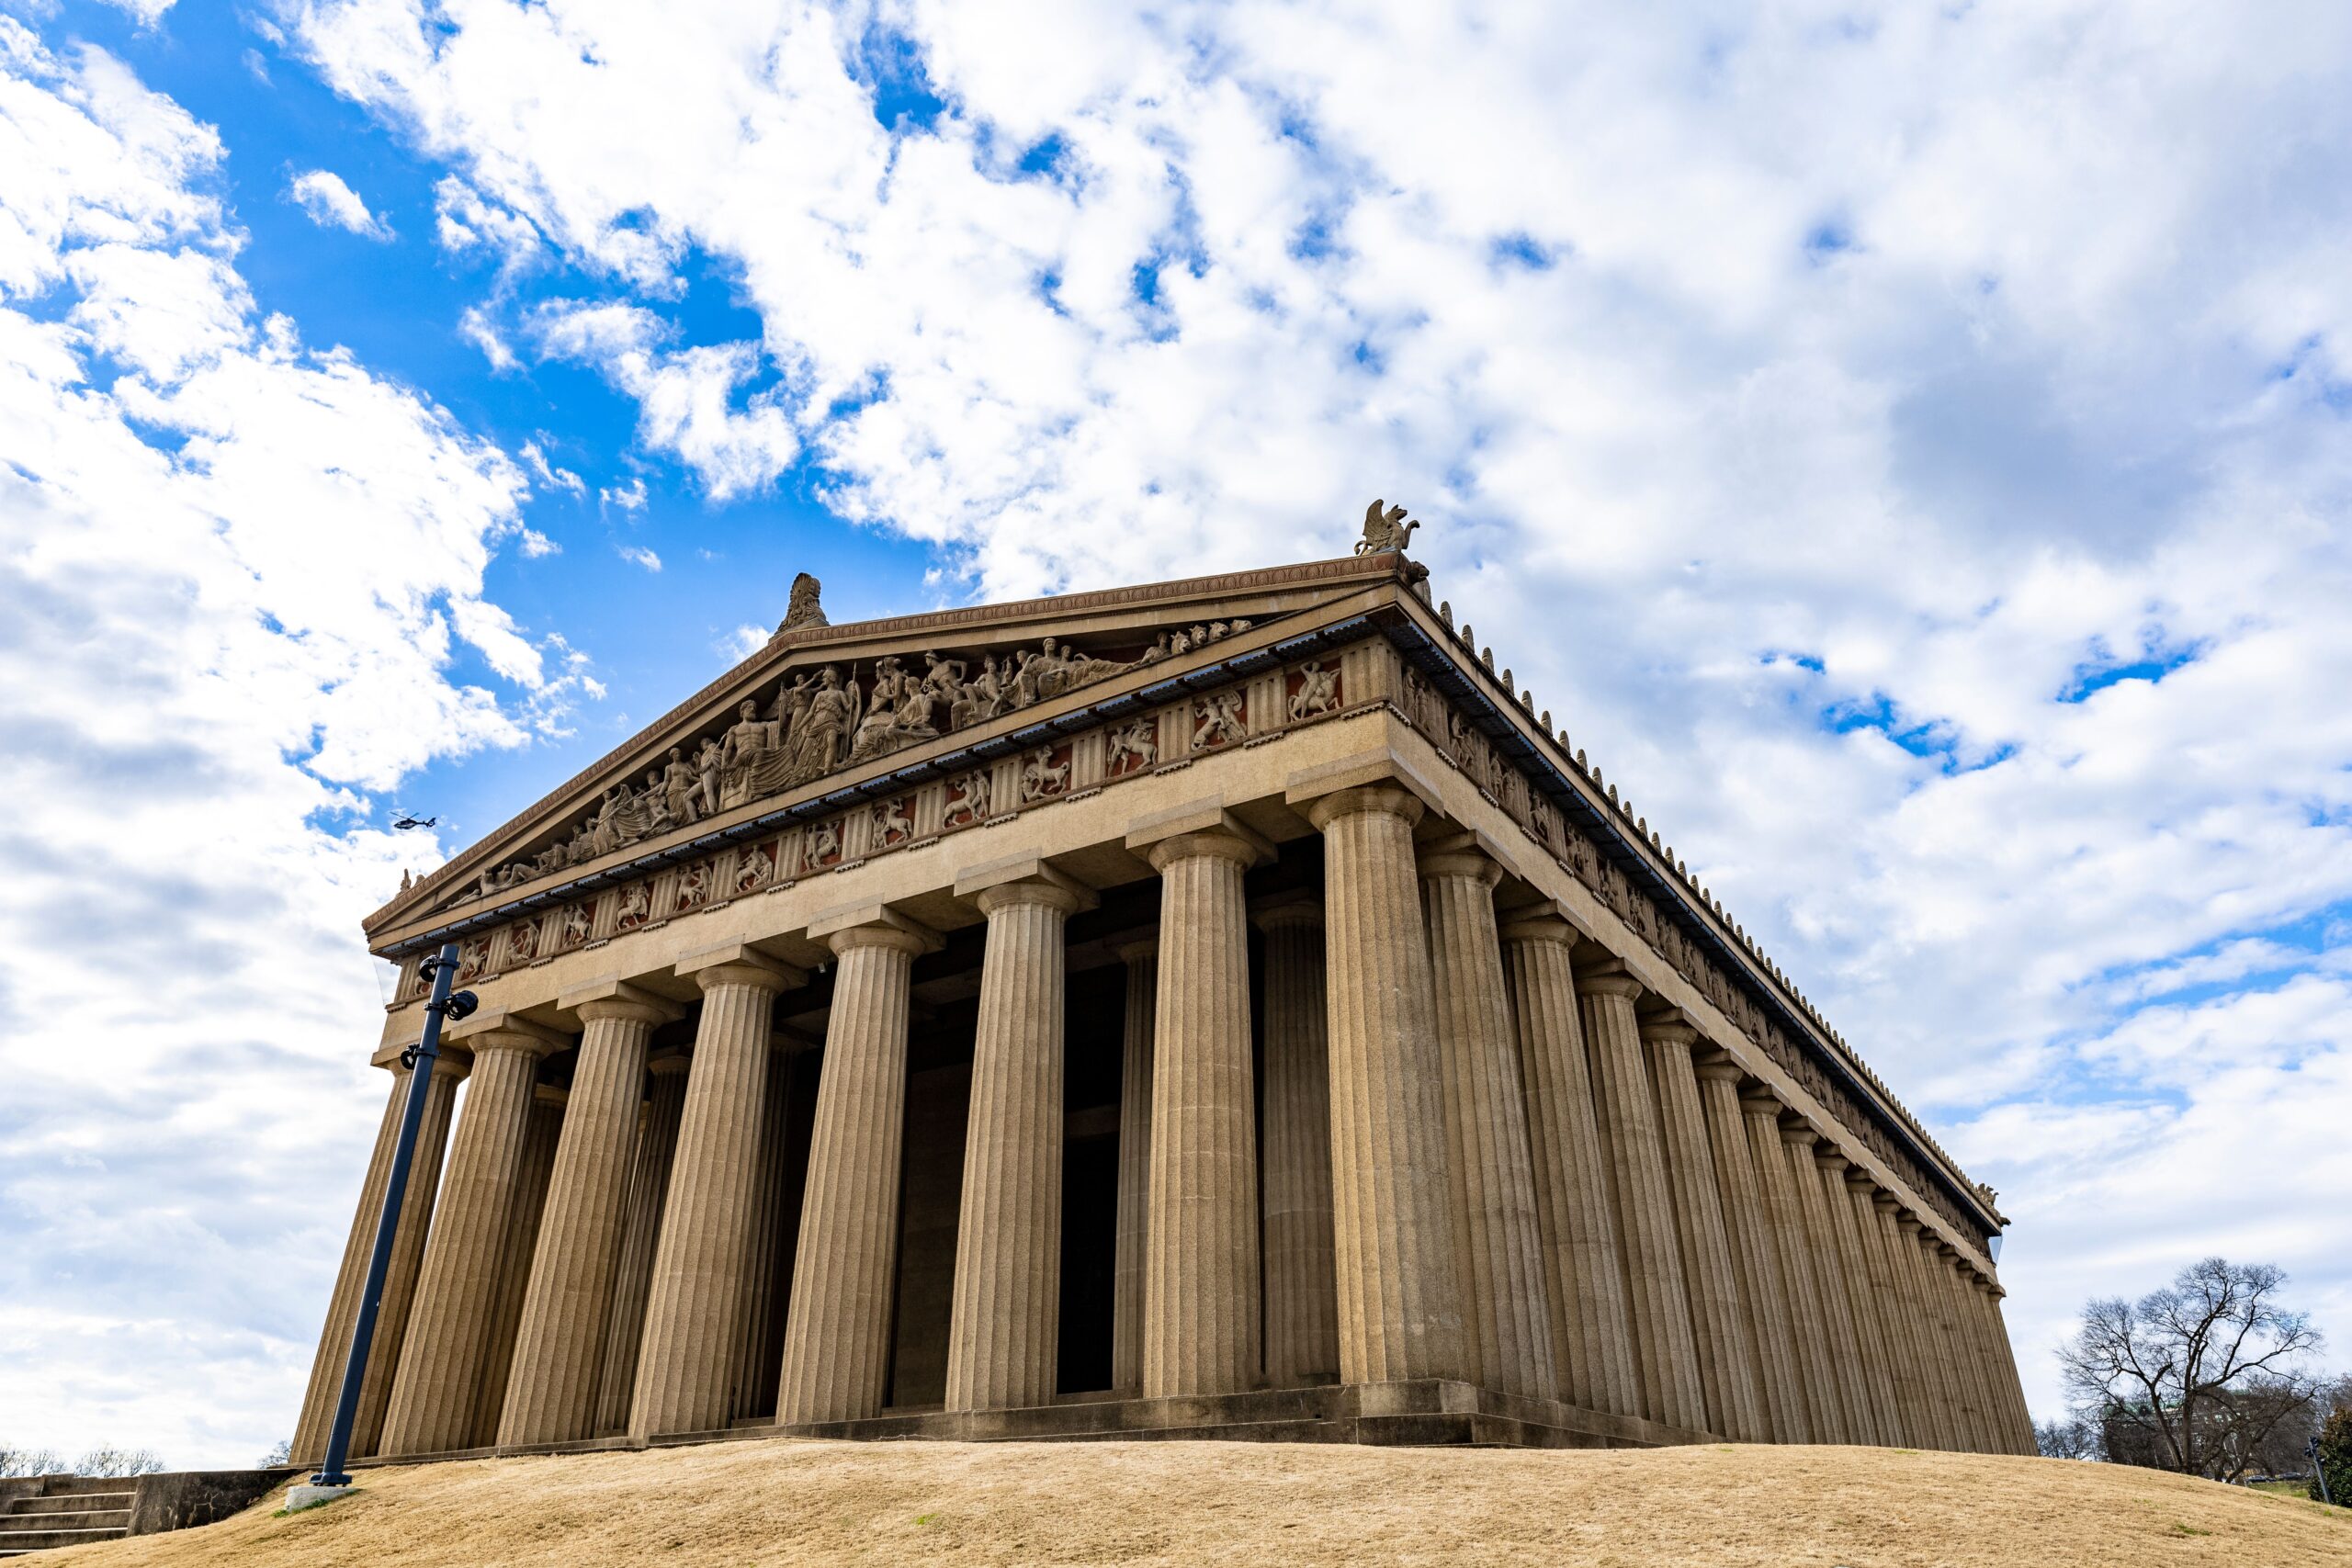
1483 1159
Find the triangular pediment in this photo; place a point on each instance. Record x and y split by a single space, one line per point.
825 708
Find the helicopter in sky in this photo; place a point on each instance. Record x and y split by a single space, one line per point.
406 822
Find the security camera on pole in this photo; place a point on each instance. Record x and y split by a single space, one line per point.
332 1481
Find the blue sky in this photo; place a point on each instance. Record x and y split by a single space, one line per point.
1906 448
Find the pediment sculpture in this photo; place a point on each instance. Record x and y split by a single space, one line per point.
829 717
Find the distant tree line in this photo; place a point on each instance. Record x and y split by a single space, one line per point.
2211 1375
104 1459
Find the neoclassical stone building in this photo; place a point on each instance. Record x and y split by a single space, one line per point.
1220 1007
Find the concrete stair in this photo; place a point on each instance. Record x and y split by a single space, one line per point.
68 1510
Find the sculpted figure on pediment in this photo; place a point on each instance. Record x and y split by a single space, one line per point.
678 789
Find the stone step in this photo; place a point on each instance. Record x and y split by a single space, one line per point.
67 1519
82 1485
70 1502
12 1541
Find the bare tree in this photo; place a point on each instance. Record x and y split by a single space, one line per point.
107 1460
2193 1377
2069 1437
15 1461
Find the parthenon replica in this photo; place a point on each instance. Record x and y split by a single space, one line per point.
1218 1009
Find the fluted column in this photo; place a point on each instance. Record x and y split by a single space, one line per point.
2010 1386
1302 1292
1142 959
1930 1421
1400 1309
1006 1307
431 1408
1755 1259
1200 1299
837 1336
1976 1398
1970 1294
758 1331
399 1279
685 1365
1917 1425
1913 1263
1870 1330
1726 1344
649 1191
1798 1143
1665 1354
1592 1332
1824 1398
1504 1300
558 1351
546 1129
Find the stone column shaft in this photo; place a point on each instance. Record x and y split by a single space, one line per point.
1825 1400
837 1336
1755 1259
1585 1282
1975 1397
1913 1262
558 1350
758 1330
2010 1388
1301 1299
1929 1419
1917 1426
1400 1309
1135 1165
1200 1301
1665 1354
649 1191
1505 1302
686 1366
539 1140
1006 1309
431 1408
1726 1344
1870 1330
1798 1143
399 1280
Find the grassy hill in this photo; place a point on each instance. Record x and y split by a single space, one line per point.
1265 1505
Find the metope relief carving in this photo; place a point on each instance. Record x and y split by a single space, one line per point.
1219 719
1134 746
1044 775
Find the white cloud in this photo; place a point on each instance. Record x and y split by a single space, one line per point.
630 497
742 642
475 327
550 475
1804 407
334 204
638 555
146 13
238 571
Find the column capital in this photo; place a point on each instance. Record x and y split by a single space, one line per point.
1464 854
1717 1065
670 1063
548 1094
1758 1100
1609 979
502 1030
1909 1223
611 997
1387 800
1293 906
1668 1026
872 925
1197 828
1142 950
1799 1132
739 963
1539 923
1860 1179
1024 879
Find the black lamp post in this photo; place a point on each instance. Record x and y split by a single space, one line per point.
446 1005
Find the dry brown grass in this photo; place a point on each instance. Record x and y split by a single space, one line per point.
1264 1505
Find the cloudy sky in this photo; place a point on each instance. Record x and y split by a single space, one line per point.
1906 446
